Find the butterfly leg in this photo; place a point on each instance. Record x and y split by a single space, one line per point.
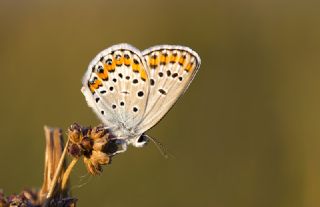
123 144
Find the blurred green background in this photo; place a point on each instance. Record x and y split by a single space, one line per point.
245 134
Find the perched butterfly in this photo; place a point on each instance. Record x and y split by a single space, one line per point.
131 91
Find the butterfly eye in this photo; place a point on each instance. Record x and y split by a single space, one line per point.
142 139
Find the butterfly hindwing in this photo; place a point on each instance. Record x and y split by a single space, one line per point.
116 86
171 70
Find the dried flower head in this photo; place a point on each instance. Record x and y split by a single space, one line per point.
94 144
3 200
30 198
63 202
19 201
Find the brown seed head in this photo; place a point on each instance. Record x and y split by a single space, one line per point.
94 144
99 132
97 158
86 143
3 200
18 201
75 133
75 150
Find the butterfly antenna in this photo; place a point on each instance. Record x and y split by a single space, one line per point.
162 149
84 177
88 180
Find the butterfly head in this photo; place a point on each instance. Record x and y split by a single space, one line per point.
139 141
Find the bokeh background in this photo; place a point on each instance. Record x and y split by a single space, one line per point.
247 132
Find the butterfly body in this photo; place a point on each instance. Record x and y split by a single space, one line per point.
130 91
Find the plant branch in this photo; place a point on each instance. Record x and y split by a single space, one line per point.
66 174
58 171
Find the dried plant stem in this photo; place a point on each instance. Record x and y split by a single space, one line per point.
58 171
66 174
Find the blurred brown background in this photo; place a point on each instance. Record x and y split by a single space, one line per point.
245 134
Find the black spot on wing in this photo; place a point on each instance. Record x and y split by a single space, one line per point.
163 92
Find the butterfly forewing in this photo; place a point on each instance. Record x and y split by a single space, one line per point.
116 86
171 70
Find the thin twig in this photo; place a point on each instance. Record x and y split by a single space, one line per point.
66 174
58 171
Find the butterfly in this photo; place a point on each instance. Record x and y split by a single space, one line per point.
131 90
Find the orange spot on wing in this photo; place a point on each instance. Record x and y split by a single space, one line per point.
119 61
136 67
104 75
94 85
102 72
92 89
189 67
164 59
173 58
127 61
143 74
182 60
110 67
97 84
154 60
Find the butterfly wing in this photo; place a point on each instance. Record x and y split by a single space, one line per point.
171 69
116 87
